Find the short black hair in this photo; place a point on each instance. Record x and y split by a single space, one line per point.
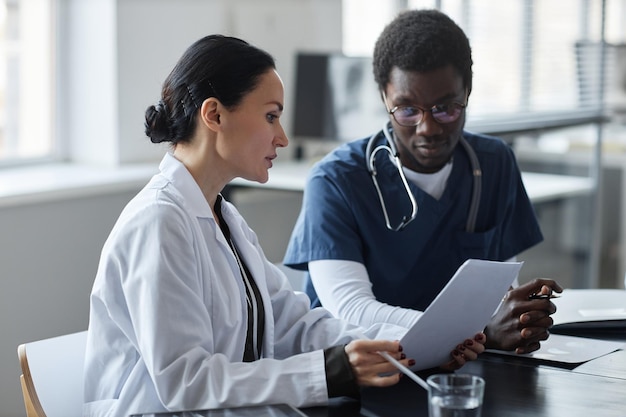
422 40
219 66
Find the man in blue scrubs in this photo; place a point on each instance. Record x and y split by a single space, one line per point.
362 270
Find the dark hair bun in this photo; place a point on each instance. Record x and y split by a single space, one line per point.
157 123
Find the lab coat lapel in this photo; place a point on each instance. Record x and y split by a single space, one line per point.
194 202
193 199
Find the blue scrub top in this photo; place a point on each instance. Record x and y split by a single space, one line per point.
341 218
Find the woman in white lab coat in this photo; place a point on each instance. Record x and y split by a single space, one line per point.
186 312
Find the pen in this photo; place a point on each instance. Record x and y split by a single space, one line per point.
541 296
406 371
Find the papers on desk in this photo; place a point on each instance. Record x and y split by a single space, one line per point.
462 309
578 312
569 349
590 309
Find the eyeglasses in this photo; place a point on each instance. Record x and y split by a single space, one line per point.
413 115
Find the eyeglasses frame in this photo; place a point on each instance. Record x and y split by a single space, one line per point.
423 111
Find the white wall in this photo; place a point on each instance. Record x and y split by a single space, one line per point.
49 258
87 93
147 53
114 55
119 53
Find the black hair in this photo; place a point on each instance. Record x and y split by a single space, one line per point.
422 40
223 67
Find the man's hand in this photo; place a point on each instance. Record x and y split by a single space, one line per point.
521 323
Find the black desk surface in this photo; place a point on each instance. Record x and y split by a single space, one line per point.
514 387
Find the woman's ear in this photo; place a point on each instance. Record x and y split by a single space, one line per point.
210 113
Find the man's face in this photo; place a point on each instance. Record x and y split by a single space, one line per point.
428 146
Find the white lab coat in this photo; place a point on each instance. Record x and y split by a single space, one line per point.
167 315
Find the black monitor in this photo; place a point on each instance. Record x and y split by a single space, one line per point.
336 98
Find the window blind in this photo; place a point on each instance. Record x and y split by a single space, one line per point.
537 63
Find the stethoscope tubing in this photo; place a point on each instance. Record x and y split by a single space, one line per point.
390 148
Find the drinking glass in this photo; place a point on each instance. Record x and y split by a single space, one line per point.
455 395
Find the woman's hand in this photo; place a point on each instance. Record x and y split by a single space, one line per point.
466 351
370 368
521 323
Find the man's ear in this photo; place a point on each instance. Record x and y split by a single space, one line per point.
210 113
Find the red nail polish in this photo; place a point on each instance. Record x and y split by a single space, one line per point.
403 356
469 343
411 362
400 348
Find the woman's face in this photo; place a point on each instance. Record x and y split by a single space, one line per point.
428 146
252 130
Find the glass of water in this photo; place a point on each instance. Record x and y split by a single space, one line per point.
455 395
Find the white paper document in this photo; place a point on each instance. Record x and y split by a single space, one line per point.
569 349
580 309
462 309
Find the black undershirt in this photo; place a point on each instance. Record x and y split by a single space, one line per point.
256 312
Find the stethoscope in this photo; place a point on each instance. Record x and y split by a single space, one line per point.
390 148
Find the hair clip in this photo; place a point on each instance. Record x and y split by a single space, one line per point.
193 100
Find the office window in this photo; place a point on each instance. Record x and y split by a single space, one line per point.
535 61
26 80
